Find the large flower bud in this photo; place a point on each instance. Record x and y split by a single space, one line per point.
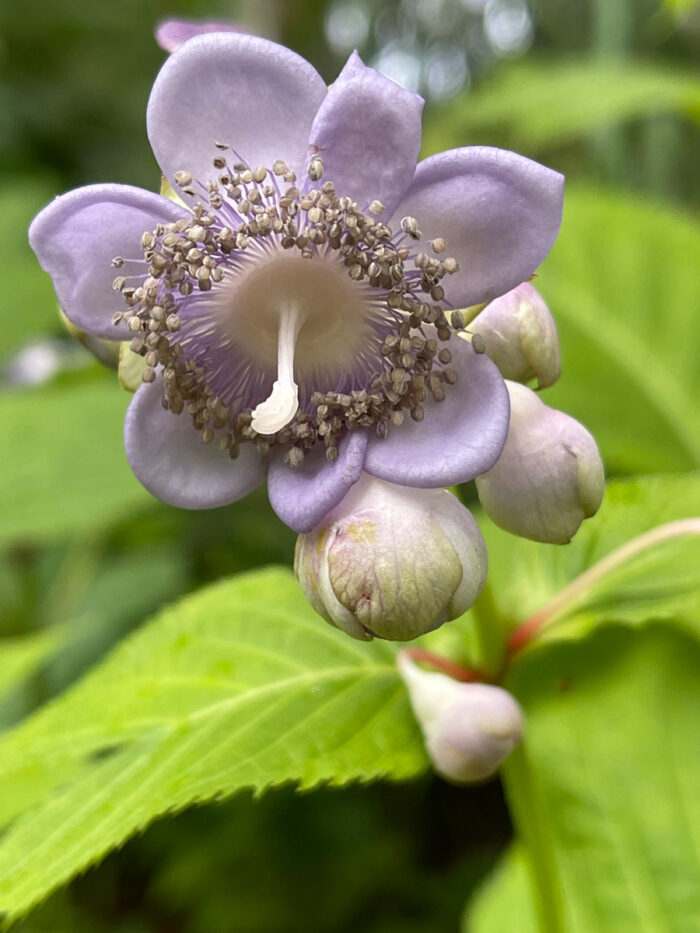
469 729
520 336
549 477
392 561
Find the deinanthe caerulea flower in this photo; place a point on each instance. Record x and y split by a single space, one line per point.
291 305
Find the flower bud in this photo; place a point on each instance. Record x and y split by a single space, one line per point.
549 477
469 729
392 562
131 367
105 351
520 336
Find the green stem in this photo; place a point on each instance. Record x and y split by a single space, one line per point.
662 141
24 564
490 634
612 32
530 819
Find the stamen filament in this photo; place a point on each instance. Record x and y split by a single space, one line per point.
282 404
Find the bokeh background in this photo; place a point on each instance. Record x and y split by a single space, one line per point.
606 91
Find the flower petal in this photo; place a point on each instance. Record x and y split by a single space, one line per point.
168 457
368 133
459 437
499 213
172 33
251 94
302 497
77 236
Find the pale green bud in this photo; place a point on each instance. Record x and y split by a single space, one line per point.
131 367
549 477
392 561
521 337
105 351
469 728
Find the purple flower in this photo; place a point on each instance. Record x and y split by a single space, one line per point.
291 308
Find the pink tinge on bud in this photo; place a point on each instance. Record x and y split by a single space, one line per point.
469 729
172 33
549 477
392 562
520 336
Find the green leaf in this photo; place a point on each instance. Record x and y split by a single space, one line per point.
622 282
240 685
63 470
543 104
614 764
619 568
28 300
505 900
20 656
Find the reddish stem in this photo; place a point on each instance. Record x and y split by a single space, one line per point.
456 671
527 631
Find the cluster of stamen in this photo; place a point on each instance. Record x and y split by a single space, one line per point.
245 207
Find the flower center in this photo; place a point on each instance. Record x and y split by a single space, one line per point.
288 318
336 315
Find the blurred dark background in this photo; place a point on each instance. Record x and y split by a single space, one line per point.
604 90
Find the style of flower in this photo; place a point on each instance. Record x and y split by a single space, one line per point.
293 306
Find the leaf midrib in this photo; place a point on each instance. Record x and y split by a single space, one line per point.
310 677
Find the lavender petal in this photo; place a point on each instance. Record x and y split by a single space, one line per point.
498 212
251 94
459 437
167 455
301 497
77 236
367 132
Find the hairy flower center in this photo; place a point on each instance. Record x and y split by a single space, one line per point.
335 313
287 318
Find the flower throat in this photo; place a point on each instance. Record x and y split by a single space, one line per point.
260 216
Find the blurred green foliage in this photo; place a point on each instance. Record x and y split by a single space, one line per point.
615 763
622 284
609 96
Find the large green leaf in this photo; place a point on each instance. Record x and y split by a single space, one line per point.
605 791
637 560
541 104
63 469
610 704
505 900
240 685
623 282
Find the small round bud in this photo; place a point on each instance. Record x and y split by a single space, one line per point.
520 336
391 561
469 729
549 477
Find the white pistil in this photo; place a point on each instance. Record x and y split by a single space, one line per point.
282 404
